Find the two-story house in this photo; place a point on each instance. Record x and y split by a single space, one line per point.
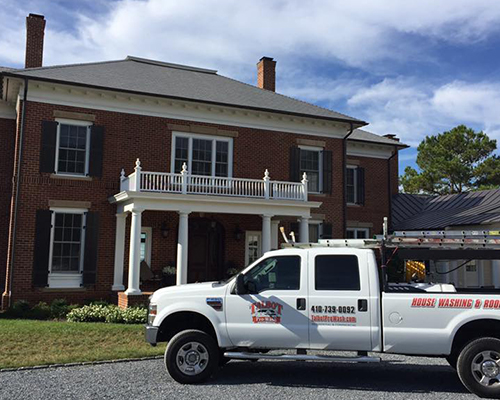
113 171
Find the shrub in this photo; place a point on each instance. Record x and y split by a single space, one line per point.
135 315
59 308
20 309
92 313
115 315
39 311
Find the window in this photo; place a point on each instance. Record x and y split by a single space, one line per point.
358 233
311 161
337 273
277 273
314 231
67 243
146 236
355 185
203 155
253 246
73 143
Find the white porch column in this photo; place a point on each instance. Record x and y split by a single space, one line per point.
134 268
266 233
495 273
121 220
480 272
304 230
274 234
182 249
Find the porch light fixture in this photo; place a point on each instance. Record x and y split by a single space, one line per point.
164 230
238 233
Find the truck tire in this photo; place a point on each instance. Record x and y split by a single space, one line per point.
478 367
191 356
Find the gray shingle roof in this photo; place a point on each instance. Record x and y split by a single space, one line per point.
418 212
177 81
365 136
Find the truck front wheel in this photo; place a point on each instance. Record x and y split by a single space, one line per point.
191 356
478 367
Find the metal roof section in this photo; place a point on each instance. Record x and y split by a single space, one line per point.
150 77
420 212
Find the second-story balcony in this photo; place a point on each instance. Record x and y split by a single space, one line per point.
185 183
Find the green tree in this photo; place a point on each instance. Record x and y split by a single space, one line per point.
452 162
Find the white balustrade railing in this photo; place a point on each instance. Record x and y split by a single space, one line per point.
164 182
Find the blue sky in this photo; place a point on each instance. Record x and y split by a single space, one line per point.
412 68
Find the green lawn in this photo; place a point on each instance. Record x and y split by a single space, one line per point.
27 342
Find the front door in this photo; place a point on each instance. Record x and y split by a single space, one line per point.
275 315
339 301
205 250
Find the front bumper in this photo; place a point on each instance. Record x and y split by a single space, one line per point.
151 333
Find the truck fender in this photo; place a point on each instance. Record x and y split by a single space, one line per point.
466 327
216 318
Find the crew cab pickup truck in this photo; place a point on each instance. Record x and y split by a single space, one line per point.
324 298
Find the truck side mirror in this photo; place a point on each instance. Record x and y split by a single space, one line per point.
240 285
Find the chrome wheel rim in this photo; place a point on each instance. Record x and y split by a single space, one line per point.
192 358
486 368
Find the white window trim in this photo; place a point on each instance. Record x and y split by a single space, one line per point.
355 177
59 279
356 230
88 124
214 139
149 237
320 166
247 253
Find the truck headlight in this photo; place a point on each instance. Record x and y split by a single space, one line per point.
151 313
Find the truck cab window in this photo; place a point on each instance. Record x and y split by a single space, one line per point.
276 273
337 272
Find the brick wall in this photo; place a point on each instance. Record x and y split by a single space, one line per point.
7 136
130 136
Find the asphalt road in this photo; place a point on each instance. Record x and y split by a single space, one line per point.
397 378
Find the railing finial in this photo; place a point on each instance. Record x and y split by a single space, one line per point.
122 175
304 178
137 164
184 169
266 175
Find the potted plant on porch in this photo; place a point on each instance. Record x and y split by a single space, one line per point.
169 275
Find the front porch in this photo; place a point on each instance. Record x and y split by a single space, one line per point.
192 197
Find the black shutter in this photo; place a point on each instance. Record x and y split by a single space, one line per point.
327 231
48 146
91 245
294 227
360 186
96 150
295 164
42 247
327 171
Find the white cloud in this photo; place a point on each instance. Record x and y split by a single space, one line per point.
413 110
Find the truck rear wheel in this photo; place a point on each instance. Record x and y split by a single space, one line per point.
478 367
191 356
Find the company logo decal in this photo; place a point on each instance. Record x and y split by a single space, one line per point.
266 312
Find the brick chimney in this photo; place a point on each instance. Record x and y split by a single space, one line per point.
266 74
392 136
35 29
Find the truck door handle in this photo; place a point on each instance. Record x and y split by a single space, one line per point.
362 305
301 304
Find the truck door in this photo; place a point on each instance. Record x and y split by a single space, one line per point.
339 303
274 314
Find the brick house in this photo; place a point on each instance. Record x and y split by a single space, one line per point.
113 171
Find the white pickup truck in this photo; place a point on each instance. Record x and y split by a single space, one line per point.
324 298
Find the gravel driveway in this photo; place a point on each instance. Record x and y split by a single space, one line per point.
398 378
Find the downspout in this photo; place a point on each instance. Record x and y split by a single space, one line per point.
344 173
16 198
390 184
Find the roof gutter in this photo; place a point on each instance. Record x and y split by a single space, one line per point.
344 179
17 178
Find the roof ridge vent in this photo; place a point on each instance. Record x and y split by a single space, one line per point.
171 65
